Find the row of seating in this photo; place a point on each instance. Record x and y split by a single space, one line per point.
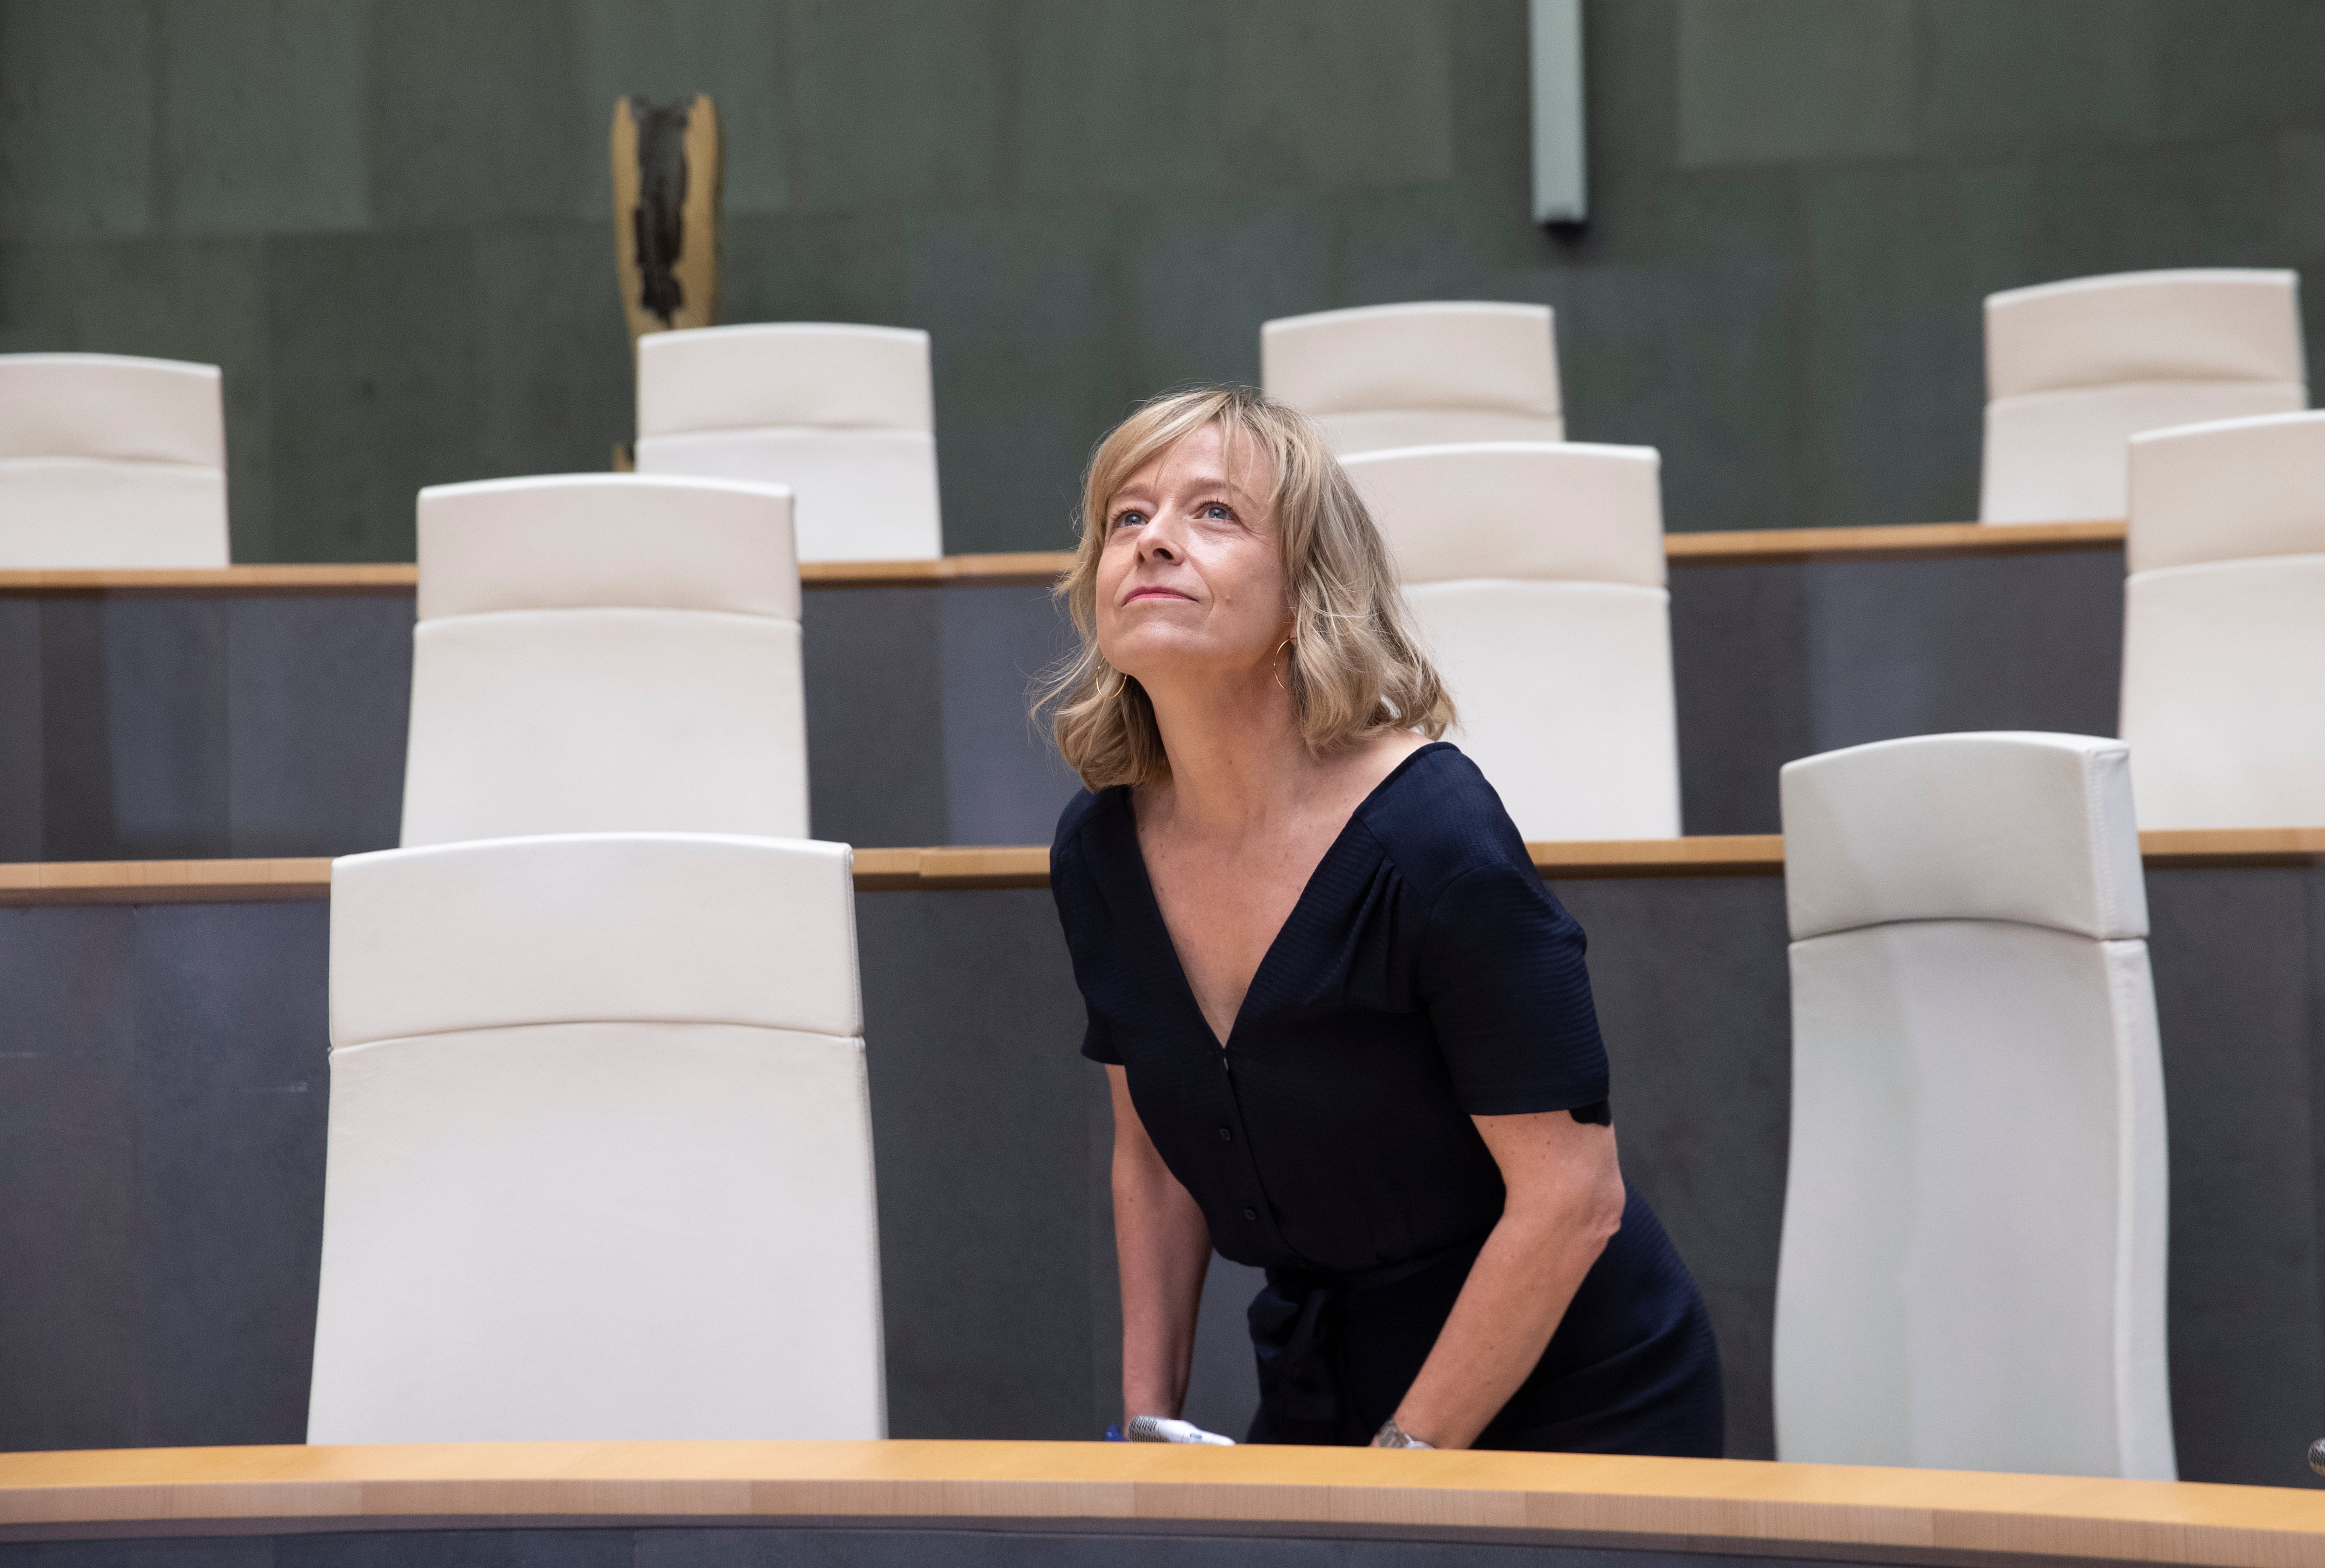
111 461
600 1150
597 652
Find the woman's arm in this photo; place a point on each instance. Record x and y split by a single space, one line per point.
1164 1248
1565 1203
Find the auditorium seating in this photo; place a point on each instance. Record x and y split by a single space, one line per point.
2224 624
2074 369
600 1157
1972 1269
1418 375
844 416
606 653
1535 571
109 461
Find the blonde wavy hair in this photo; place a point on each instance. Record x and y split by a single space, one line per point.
1355 669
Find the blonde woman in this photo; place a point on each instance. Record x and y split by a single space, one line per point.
1348 1030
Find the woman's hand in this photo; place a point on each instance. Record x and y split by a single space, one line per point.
1164 1248
1564 1204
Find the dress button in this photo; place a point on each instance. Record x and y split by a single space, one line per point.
1225 1136
1251 1214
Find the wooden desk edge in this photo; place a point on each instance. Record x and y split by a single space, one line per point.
968 867
1900 541
1703 1505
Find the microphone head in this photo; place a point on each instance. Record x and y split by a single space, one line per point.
2317 1456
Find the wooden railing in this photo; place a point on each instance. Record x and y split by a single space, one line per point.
1907 541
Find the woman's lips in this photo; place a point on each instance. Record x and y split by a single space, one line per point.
1156 594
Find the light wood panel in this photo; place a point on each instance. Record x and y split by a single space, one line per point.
1696 1505
1902 541
162 882
1000 866
390 577
1905 542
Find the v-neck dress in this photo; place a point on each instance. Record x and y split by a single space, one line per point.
1425 976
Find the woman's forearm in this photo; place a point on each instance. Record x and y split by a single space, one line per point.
1564 1203
1517 1293
1163 1248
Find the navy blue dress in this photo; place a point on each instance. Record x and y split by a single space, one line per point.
1425 976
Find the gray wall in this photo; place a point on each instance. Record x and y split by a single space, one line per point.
389 220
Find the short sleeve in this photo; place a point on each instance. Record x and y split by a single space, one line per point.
1081 914
1098 1042
1502 976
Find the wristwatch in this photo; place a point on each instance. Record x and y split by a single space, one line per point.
1392 1435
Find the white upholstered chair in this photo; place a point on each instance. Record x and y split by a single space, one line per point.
1535 572
2224 624
1418 375
2074 369
108 461
844 416
604 653
600 1147
1972 1271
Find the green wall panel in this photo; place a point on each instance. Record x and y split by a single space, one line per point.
388 220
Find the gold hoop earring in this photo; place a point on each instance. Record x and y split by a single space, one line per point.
1279 677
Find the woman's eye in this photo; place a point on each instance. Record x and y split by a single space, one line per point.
1219 511
1129 518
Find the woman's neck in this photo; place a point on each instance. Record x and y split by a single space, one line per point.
1237 759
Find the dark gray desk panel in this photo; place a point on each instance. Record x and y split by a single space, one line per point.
142 727
318 697
152 725
1779 660
162 1164
972 1029
2239 963
875 715
162 1103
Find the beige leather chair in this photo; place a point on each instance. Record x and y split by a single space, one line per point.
844 416
603 653
2074 369
1418 375
1535 573
1972 1271
2224 624
107 461
600 1148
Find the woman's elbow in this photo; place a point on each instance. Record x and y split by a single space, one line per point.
1607 1199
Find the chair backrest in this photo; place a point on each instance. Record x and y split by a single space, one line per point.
109 461
1535 572
843 415
2074 369
1972 1270
2224 624
1417 376
606 653
600 1147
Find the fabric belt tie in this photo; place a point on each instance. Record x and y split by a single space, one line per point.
1295 1335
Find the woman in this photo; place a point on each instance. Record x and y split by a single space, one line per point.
1348 1030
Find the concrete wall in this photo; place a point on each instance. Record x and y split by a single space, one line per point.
389 220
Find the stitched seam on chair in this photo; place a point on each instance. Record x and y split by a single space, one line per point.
854 1040
752 617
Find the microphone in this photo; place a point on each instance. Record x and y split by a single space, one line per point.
2316 1455
1160 1429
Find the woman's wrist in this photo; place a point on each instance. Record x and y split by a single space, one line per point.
1394 1433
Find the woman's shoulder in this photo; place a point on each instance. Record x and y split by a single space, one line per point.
1438 819
1083 813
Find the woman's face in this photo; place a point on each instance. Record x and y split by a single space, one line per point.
1189 581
